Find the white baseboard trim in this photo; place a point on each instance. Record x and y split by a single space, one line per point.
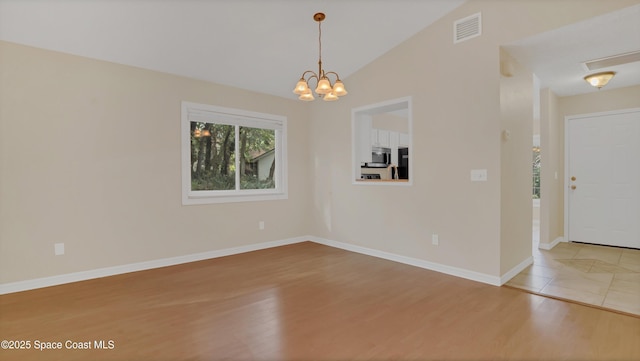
164 262
140 266
515 270
549 246
453 271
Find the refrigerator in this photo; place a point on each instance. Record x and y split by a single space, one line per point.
403 163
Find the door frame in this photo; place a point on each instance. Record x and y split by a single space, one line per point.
567 118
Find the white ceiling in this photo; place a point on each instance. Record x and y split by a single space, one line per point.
265 45
557 57
262 45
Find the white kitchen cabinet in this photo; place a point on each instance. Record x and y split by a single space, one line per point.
393 144
374 138
403 139
380 138
383 138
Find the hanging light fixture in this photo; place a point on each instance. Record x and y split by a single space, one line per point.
324 89
599 80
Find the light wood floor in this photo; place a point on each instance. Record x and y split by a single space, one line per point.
309 302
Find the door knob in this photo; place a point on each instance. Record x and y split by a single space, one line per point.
573 178
573 187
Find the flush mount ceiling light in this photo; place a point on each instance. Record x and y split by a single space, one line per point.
324 89
599 80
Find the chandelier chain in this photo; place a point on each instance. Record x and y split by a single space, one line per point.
320 49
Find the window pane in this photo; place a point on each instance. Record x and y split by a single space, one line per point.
212 156
257 158
536 173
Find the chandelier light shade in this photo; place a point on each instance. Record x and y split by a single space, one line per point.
599 80
324 88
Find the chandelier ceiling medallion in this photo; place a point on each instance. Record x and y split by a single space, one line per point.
599 80
324 89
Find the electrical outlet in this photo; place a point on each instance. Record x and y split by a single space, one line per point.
435 239
261 225
58 249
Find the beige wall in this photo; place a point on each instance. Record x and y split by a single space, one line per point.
390 122
456 128
450 129
516 107
602 100
552 163
90 156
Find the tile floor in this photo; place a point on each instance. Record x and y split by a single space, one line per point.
599 275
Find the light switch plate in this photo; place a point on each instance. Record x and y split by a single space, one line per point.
58 249
478 175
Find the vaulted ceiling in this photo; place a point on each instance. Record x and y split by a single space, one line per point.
265 45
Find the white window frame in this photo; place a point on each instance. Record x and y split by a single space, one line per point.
236 117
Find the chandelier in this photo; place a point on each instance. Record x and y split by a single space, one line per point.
324 89
600 79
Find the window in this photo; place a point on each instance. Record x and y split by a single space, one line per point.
536 167
232 155
536 172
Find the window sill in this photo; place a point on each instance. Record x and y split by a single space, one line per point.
253 197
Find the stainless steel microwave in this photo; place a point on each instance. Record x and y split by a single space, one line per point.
380 155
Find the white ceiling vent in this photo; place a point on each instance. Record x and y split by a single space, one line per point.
614 60
467 28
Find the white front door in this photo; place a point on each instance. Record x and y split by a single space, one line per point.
603 185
